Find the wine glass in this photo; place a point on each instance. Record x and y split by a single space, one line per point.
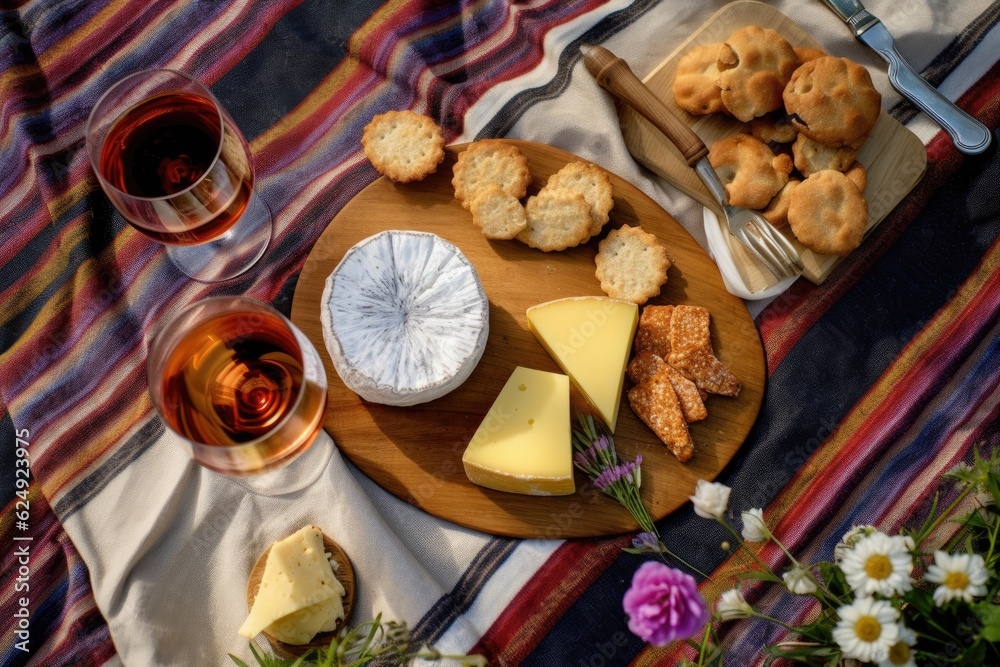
243 388
175 165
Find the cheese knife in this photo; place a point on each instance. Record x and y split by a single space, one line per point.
970 136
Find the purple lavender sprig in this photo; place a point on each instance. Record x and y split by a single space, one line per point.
595 454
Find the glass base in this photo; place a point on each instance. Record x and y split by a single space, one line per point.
231 254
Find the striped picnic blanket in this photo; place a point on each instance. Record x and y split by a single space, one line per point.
879 380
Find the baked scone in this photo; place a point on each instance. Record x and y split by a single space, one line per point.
811 156
556 220
490 161
777 211
499 215
832 100
828 214
807 53
755 64
631 264
858 175
751 173
403 145
593 183
774 128
696 88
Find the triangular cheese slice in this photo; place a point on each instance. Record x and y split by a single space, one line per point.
296 575
590 337
523 444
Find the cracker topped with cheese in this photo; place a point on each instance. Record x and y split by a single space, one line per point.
298 595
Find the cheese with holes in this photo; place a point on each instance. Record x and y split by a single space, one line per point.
590 337
523 444
405 318
299 595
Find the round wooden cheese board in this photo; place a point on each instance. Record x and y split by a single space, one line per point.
416 452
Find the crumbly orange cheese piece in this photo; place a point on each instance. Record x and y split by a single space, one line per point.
646 365
656 404
691 352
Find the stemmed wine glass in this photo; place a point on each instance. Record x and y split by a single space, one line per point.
243 388
175 165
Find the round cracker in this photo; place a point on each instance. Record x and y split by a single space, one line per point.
556 221
499 215
593 183
486 162
631 264
403 145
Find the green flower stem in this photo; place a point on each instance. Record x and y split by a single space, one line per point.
742 542
704 643
827 597
924 534
776 621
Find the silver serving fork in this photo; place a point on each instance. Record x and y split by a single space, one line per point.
765 242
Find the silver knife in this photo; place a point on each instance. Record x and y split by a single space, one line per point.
970 136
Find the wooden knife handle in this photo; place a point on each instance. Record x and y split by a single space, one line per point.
613 74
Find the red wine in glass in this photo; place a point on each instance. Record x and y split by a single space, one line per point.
176 167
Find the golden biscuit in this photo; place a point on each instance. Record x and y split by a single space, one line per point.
498 214
755 64
631 264
858 175
828 214
593 183
806 53
490 161
751 173
403 145
777 211
695 87
556 221
774 128
832 100
811 156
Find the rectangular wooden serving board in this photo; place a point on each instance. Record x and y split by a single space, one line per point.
894 157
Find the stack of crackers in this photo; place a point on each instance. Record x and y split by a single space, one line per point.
491 178
674 369
808 115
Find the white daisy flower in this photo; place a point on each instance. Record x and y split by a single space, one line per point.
878 564
900 653
754 528
711 499
867 629
850 539
732 605
962 576
799 582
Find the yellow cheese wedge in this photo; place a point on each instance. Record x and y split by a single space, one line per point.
590 337
297 576
523 444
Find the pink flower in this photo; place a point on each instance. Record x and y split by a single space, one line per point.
664 604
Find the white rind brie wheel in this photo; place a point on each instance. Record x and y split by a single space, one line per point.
405 318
